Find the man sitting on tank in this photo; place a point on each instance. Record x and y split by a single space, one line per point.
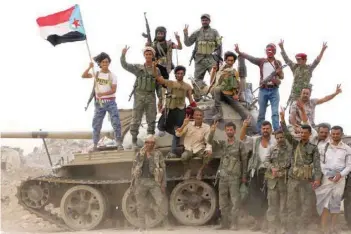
196 137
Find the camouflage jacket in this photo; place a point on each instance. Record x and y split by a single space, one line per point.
233 158
305 159
141 72
278 157
302 75
202 36
157 166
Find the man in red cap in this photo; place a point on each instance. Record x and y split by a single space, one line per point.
302 72
271 75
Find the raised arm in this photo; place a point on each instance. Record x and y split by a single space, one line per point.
319 57
331 96
285 129
244 128
287 60
86 73
184 128
129 67
252 59
179 45
189 41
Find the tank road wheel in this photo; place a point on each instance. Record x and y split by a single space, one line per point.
34 194
193 202
83 207
129 208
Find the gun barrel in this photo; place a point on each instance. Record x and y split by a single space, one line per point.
53 135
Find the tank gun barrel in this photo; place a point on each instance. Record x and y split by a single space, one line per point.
54 135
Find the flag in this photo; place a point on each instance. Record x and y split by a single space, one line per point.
62 27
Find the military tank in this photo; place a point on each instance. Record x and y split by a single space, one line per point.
94 187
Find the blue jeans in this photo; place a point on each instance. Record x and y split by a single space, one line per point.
271 95
99 115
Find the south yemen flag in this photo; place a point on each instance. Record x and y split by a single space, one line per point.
62 27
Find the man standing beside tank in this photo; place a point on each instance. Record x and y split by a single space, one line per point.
270 68
207 40
144 93
149 177
232 172
302 72
105 98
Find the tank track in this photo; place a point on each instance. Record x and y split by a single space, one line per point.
47 215
54 218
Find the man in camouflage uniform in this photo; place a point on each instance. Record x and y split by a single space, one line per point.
174 113
304 161
302 72
144 93
232 172
207 41
277 163
149 176
164 50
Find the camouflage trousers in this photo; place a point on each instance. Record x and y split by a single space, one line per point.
277 202
144 187
229 197
99 115
299 192
187 155
203 64
144 102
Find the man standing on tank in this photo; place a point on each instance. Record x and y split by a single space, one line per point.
144 93
105 98
207 40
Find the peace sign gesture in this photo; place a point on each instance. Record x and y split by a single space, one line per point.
214 126
186 120
282 113
176 36
338 89
125 49
185 30
325 46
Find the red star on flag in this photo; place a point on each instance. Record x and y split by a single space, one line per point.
76 23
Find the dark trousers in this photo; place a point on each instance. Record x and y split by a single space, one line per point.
257 203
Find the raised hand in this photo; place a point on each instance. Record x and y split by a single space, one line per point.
214 126
125 49
282 113
338 89
186 120
91 65
185 30
177 36
325 46
281 44
247 121
236 48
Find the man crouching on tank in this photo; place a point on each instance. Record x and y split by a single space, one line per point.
149 176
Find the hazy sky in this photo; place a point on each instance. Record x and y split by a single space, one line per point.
41 85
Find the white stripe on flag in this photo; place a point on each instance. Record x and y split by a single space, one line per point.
58 29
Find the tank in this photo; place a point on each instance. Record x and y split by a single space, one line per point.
94 187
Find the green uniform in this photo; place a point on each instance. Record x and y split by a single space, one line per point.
207 40
232 168
149 175
305 166
302 76
278 158
144 97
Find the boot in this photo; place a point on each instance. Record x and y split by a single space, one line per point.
219 114
134 143
94 149
257 225
119 144
224 223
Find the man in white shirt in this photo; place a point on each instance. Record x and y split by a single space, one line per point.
196 142
105 98
335 165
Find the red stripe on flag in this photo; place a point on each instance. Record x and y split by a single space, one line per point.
56 18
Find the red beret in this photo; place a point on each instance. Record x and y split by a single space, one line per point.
301 56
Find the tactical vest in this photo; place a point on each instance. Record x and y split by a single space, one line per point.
154 166
145 81
231 162
177 98
164 54
206 45
279 160
302 167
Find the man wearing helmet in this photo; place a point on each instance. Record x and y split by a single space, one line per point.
302 72
269 90
207 41
164 49
144 96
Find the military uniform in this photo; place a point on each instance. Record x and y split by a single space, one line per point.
278 158
207 40
144 97
175 105
164 56
232 168
304 161
302 76
149 175
224 89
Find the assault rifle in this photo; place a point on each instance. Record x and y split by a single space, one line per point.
133 91
193 54
272 75
148 33
216 54
92 95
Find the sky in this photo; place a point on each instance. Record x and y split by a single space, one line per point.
42 88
